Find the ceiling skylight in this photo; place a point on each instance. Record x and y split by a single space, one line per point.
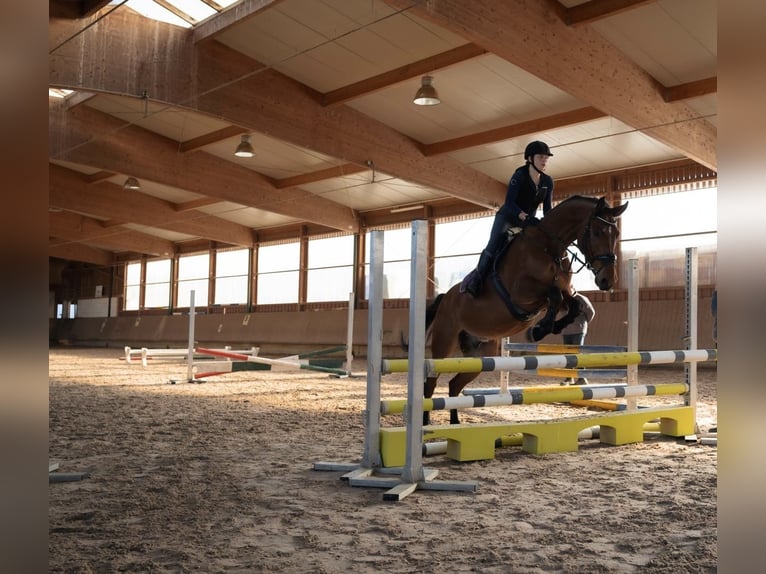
184 13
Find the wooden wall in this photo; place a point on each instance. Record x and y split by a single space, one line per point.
661 327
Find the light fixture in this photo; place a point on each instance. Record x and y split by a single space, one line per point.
244 149
426 95
131 183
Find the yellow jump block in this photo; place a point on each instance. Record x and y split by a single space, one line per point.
477 441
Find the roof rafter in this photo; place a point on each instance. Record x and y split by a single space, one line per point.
691 90
245 95
80 252
87 136
595 10
386 79
108 200
82 229
581 63
513 131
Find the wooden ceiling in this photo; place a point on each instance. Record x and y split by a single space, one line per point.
619 89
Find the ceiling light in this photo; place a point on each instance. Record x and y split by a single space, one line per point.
244 149
426 95
131 183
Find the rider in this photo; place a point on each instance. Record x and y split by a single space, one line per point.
529 187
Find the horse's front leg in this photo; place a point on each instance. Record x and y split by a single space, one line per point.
573 309
545 325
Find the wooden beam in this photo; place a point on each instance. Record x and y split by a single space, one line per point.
231 86
581 62
82 229
513 131
98 177
75 9
589 12
319 175
235 14
110 201
691 90
415 69
196 203
79 252
91 137
213 137
341 132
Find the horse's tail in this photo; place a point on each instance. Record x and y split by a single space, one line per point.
430 314
432 309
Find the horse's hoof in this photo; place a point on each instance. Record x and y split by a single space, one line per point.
534 334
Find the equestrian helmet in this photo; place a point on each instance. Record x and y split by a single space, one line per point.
536 147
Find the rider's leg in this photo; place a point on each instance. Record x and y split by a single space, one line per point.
496 241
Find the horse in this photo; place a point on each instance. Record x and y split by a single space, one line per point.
531 275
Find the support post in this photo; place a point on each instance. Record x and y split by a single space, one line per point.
690 369
350 333
190 355
633 303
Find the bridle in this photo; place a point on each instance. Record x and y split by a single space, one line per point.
584 244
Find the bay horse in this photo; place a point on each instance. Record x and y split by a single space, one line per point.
531 276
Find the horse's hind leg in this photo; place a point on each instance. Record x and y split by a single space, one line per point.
428 392
478 348
456 386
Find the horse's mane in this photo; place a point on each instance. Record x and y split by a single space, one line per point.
577 199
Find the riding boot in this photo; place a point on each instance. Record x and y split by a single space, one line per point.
473 286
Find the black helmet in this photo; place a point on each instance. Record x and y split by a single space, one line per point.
536 147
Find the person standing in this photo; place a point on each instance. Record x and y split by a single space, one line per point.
529 187
575 332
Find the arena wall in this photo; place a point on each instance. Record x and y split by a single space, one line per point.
661 327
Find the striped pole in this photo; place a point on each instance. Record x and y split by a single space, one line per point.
534 362
215 368
562 349
291 364
527 396
605 373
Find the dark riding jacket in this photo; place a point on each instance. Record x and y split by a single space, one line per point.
522 195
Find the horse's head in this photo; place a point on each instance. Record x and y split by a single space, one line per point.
599 242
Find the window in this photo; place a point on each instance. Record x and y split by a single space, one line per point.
457 245
278 273
670 221
330 269
157 293
231 273
133 286
193 272
397 248
656 230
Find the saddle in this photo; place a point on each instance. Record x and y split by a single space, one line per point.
510 233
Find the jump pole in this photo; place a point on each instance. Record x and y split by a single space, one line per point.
538 395
361 474
414 476
534 362
290 363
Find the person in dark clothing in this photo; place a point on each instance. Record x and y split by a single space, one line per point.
529 187
574 333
